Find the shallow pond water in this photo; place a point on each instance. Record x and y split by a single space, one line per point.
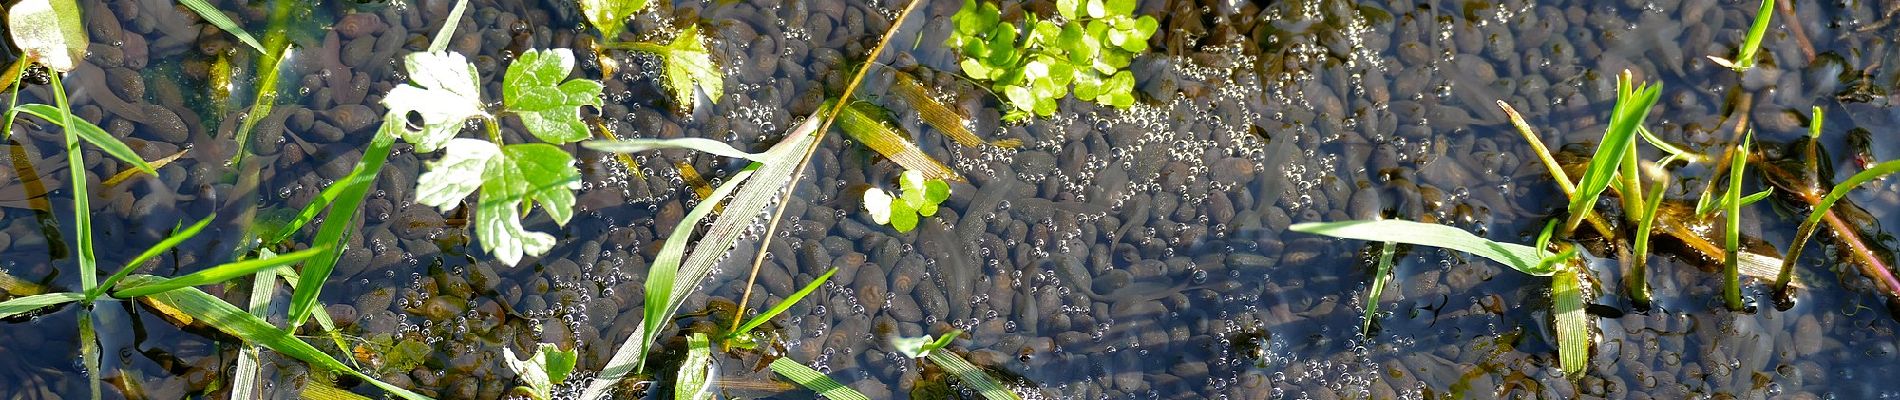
1139 253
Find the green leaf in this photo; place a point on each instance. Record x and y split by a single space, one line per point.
816 382
780 308
878 203
1070 9
537 172
1121 8
339 222
542 371
610 16
25 304
211 14
971 375
442 36
696 371
457 174
549 108
1386 251
163 245
91 133
1096 9
1821 210
1517 256
1145 28
869 124
661 276
689 65
1573 327
444 90
936 191
1632 106
217 274
638 145
229 319
903 216
50 32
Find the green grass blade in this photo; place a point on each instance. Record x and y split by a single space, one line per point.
784 305
816 382
1386 251
1573 329
1632 106
91 133
662 274
322 318
1677 152
176 238
442 37
971 375
229 319
219 273
82 202
771 178
244 379
25 304
1814 127
217 18
89 351
1520 257
1751 45
696 371
1806 231
1758 196
636 145
1732 201
336 227
265 101
1637 279
866 123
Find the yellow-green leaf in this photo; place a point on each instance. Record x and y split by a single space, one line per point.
51 32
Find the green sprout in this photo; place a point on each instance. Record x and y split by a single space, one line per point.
919 197
1751 45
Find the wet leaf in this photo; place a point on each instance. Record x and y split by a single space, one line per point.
549 108
784 305
210 13
217 274
444 90
815 381
1573 325
25 304
696 371
457 174
50 32
610 16
878 203
903 216
536 172
542 371
91 133
1517 256
1632 106
868 124
636 145
689 65
174 240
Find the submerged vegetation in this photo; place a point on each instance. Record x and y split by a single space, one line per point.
1034 64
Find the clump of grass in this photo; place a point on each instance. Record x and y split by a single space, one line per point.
1633 103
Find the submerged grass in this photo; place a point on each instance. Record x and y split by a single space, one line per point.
1821 210
815 381
1732 199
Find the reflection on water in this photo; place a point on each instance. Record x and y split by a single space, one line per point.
1135 253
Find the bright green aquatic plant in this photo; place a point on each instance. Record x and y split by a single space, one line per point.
741 335
1751 44
815 381
918 198
445 94
541 372
932 349
1089 47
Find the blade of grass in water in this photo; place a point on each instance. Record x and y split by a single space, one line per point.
244 380
442 37
219 273
1632 106
1814 127
971 375
261 106
1677 152
938 115
866 123
229 319
337 226
771 177
1573 329
177 237
1751 45
635 145
1638 279
87 131
1520 257
82 216
1806 231
1386 251
816 382
25 304
780 308
661 275
1731 269
210 13
89 351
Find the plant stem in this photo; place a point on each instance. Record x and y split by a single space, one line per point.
765 242
648 47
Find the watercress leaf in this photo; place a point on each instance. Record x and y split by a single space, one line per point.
689 65
443 91
878 203
911 181
501 232
1070 9
913 347
610 16
531 371
1117 37
1133 41
1045 106
559 362
1097 9
548 176
975 69
936 191
1121 7
457 174
51 32
1145 27
1019 95
549 108
903 217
